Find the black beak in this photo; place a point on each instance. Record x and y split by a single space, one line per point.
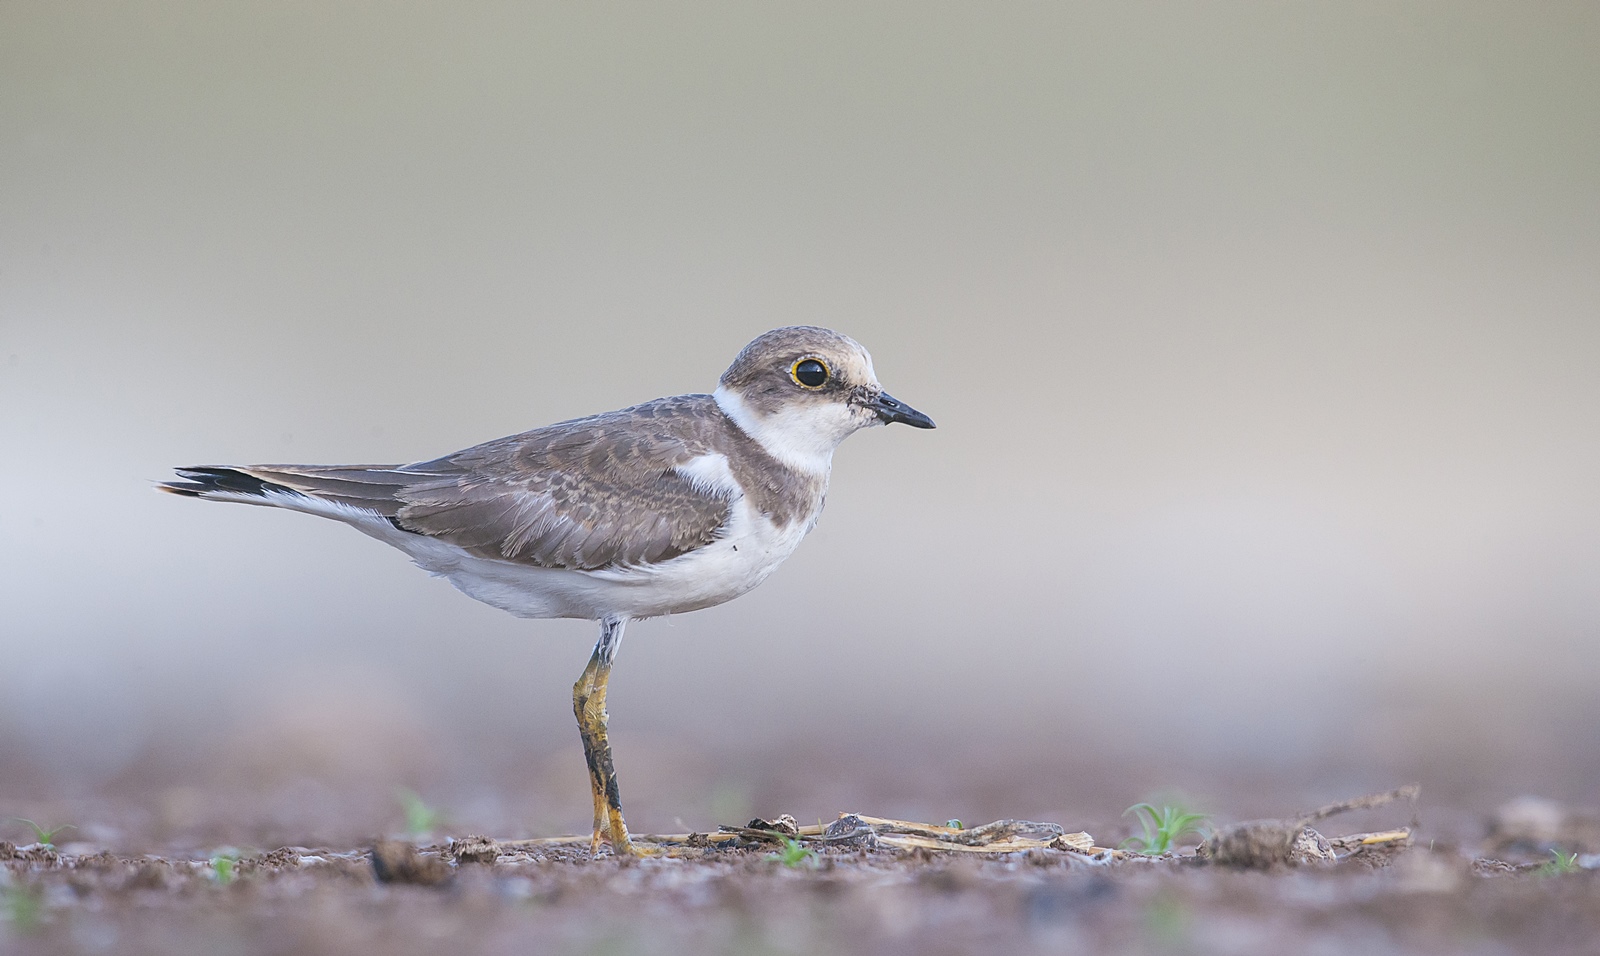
891 410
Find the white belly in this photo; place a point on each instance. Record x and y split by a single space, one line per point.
752 548
749 548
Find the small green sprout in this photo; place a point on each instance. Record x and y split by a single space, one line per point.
1166 920
1559 864
421 819
22 907
223 863
41 835
730 802
794 854
1162 827
954 824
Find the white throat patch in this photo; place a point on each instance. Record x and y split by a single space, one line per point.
804 438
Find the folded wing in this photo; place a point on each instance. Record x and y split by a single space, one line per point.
584 495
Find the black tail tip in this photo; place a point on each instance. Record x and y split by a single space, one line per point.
207 479
187 489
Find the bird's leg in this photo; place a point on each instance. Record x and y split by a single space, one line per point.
581 693
589 706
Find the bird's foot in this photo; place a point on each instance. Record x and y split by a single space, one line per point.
603 840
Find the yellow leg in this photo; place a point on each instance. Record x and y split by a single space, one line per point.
589 706
582 693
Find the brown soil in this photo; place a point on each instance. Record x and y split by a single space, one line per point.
867 886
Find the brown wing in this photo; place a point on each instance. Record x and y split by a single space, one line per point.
593 493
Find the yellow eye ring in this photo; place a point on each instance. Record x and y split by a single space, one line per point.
810 373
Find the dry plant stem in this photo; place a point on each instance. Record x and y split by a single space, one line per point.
1357 840
1001 836
1408 792
1000 831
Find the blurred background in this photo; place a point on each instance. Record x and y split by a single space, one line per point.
1263 339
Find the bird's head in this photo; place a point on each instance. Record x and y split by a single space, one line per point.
802 390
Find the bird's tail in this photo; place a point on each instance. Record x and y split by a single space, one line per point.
314 488
223 483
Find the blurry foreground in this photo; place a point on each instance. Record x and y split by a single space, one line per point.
1265 887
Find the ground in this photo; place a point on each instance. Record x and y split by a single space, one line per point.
1450 886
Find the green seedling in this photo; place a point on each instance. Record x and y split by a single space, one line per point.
954 824
41 835
421 819
730 802
1166 920
794 854
223 864
1162 827
1559 864
22 907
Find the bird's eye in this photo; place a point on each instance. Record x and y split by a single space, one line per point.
809 373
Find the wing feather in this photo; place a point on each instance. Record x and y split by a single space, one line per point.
593 493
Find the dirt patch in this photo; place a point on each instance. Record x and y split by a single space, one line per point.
1265 844
774 886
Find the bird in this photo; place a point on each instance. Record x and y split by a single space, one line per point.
669 506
